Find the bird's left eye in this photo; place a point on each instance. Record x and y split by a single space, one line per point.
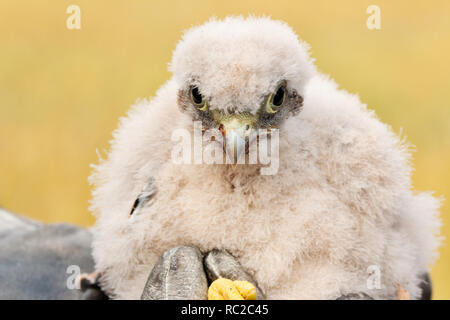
197 99
276 99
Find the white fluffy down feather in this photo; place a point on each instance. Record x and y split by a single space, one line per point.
342 199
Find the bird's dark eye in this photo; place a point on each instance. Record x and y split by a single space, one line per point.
276 100
197 98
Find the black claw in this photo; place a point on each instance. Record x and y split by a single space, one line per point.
94 294
425 285
91 288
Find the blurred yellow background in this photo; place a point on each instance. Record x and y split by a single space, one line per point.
62 91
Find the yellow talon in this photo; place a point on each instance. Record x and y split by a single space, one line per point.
226 289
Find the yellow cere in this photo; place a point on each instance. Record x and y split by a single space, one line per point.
234 121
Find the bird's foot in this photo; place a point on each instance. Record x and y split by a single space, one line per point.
221 266
226 289
183 273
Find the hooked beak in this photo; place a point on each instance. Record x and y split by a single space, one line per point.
236 133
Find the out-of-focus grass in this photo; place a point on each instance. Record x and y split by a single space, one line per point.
62 91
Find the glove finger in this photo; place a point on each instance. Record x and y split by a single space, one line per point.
178 275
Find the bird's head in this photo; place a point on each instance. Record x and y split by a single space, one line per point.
237 75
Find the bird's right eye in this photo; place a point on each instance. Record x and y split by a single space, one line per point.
197 99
